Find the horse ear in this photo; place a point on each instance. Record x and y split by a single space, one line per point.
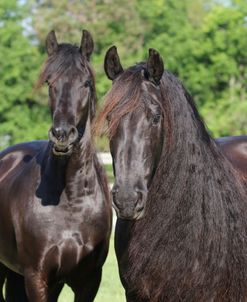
51 43
155 66
87 44
112 63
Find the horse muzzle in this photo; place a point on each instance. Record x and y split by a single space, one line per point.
63 139
129 205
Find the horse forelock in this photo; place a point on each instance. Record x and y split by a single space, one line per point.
121 99
124 97
67 59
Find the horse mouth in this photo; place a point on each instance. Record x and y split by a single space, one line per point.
62 150
136 216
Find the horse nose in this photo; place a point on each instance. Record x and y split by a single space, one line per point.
59 133
114 193
127 194
64 134
73 134
140 193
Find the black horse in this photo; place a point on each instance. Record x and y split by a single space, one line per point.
55 217
181 233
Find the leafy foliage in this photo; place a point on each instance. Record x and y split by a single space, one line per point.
202 41
22 116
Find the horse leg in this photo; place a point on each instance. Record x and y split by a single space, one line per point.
36 287
3 273
54 292
38 290
87 291
15 288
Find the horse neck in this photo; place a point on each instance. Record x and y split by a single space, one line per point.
72 171
83 152
81 170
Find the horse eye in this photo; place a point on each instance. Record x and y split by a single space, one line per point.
88 83
156 119
49 84
108 118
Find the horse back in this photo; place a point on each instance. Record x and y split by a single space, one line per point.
235 149
15 158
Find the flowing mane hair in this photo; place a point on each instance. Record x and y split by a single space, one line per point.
192 244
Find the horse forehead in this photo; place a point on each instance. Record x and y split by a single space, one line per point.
76 71
150 95
70 81
77 74
133 122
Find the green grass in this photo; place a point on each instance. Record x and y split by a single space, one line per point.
110 288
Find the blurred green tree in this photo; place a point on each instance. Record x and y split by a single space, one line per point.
202 41
22 115
223 53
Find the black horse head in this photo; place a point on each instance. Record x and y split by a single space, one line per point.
135 119
71 90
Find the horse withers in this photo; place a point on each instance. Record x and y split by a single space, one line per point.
181 232
55 218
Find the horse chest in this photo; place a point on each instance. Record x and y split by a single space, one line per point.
60 240
67 252
50 226
78 214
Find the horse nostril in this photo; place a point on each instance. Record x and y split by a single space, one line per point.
114 189
59 133
114 192
73 134
140 200
139 205
139 193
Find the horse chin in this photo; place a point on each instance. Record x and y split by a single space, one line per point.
136 216
62 150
